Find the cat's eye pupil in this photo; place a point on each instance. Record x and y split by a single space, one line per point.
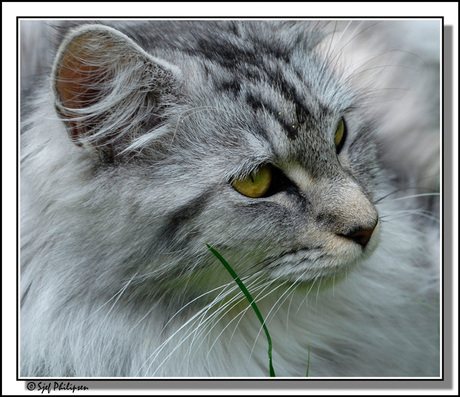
340 135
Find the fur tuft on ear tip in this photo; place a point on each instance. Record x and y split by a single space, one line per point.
107 87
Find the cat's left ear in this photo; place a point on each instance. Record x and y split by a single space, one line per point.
108 90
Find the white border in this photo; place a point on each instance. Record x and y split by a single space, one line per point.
288 9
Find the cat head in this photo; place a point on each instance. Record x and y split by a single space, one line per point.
237 135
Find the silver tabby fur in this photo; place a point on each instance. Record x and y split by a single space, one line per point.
116 279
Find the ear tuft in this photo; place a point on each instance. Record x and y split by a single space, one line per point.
107 88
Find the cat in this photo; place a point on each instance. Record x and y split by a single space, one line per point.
306 153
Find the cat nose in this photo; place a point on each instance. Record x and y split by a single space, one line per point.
361 235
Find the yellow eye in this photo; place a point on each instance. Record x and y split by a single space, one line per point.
339 135
255 184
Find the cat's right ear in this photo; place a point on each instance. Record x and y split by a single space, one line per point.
108 90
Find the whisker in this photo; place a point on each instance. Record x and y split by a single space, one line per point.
238 298
404 213
192 321
404 189
116 297
353 37
274 306
313 282
416 196
239 315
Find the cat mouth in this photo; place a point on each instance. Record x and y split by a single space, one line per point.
335 252
299 252
295 261
307 263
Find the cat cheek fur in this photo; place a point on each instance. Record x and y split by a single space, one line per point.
125 173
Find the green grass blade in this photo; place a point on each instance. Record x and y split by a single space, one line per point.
251 301
308 361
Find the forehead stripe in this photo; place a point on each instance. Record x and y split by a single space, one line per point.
291 128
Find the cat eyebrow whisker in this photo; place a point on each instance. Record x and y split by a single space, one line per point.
353 37
359 71
339 40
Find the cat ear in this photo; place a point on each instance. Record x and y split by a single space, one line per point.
108 90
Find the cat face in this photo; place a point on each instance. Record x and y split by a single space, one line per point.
248 145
